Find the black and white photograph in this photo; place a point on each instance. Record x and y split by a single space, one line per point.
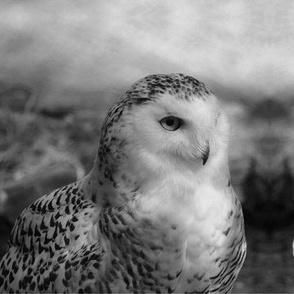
146 146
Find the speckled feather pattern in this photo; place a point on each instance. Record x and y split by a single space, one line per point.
53 236
96 236
144 91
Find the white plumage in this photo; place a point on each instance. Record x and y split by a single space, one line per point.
157 213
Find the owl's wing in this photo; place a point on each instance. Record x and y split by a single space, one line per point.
54 244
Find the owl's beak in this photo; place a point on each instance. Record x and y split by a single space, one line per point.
206 154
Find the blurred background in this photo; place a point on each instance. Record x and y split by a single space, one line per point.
64 62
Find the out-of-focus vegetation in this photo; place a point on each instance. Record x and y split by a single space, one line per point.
40 150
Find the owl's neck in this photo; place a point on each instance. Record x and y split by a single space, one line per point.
154 221
149 236
112 183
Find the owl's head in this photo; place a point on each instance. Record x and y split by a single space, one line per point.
163 125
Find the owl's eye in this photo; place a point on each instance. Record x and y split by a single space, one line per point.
171 123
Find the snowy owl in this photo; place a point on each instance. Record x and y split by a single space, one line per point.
157 213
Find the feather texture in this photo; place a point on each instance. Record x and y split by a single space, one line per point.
157 213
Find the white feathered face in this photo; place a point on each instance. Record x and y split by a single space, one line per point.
170 133
165 128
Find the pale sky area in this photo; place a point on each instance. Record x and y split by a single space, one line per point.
73 49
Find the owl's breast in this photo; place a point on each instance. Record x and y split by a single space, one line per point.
215 247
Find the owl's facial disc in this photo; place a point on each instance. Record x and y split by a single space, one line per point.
173 123
167 122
